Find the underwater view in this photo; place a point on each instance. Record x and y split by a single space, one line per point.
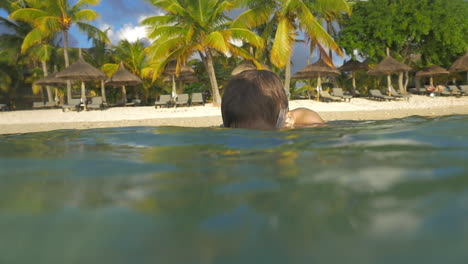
393 191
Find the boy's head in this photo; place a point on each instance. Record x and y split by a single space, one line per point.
254 99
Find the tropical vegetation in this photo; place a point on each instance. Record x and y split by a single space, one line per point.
214 36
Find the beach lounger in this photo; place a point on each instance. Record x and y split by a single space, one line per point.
197 98
96 103
182 99
73 104
3 107
338 92
454 90
464 89
398 95
38 105
164 100
326 97
376 94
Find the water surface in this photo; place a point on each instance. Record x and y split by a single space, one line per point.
391 191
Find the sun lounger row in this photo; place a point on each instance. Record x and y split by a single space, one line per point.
442 90
181 99
43 105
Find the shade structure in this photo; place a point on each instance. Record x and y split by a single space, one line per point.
183 79
51 80
186 74
432 71
248 65
122 78
318 69
461 64
81 71
389 66
354 66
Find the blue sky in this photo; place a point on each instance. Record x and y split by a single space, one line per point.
123 17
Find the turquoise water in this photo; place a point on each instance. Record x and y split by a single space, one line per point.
354 192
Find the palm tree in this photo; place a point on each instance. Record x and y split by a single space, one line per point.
286 17
194 26
330 11
133 56
52 16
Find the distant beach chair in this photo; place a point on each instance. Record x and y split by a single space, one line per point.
73 104
182 99
96 103
454 90
3 107
164 100
338 92
376 94
197 98
38 105
464 89
398 95
327 97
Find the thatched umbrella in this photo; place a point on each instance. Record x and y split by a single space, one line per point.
389 66
353 67
81 71
318 69
185 72
432 71
461 65
122 77
248 65
51 80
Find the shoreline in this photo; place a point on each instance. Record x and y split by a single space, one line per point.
358 109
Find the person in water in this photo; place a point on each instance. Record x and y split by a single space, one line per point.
256 99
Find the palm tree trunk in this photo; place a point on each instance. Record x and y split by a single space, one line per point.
287 78
50 98
405 85
67 62
400 81
103 92
214 83
124 94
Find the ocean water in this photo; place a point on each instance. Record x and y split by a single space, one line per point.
392 191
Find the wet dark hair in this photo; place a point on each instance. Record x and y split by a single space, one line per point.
254 99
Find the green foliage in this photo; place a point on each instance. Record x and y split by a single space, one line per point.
434 29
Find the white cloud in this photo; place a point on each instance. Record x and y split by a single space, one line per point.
131 33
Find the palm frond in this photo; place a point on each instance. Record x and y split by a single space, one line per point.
85 15
216 40
283 43
33 38
93 32
247 36
27 14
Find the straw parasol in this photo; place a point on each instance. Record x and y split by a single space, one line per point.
432 71
353 67
122 77
389 66
51 80
318 69
461 64
248 65
186 74
81 71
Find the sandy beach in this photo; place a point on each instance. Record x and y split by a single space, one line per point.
206 116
